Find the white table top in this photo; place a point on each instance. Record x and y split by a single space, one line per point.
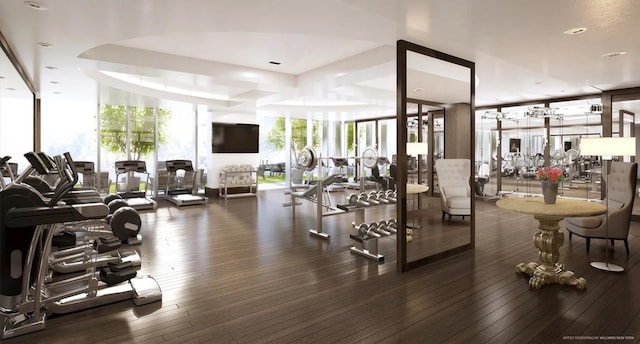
416 188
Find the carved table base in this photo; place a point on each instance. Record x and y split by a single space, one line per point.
549 271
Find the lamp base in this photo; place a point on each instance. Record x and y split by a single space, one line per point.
607 266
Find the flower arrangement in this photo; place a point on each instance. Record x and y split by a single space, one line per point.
552 174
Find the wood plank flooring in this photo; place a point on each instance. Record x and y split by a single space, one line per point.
242 271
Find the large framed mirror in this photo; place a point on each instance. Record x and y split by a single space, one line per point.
435 130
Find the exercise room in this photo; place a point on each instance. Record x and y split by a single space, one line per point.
319 172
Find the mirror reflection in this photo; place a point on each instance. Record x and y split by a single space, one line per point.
438 150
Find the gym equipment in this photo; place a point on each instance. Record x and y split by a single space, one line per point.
125 225
7 170
359 200
391 195
366 231
129 186
82 258
381 197
110 197
117 204
372 198
29 222
185 194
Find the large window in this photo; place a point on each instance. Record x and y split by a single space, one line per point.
16 114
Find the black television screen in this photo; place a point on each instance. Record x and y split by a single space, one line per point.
234 138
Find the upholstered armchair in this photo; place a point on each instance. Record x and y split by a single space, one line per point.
455 191
614 225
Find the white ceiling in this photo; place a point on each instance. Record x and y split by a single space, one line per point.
335 55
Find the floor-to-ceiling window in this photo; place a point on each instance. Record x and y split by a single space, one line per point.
16 114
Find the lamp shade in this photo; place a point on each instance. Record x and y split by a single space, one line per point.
608 146
415 148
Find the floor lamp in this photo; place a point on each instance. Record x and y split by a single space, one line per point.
608 147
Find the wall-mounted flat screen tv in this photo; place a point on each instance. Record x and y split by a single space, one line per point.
234 138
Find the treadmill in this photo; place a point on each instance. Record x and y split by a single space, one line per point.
184 191
129 186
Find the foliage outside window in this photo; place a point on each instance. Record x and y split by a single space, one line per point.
276 137
113 129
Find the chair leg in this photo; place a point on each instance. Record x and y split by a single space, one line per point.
443 216
570 235
626 245
588 243
612 243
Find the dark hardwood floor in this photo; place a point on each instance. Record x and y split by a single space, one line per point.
242 271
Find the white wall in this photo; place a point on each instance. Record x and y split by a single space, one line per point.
216 162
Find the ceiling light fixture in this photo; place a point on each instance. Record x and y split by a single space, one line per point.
45 45
614 54
275 63
51 67
36 5
575 31
54 82
418 89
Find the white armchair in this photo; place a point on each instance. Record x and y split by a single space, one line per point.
622 180
455 191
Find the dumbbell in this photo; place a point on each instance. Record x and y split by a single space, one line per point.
379 228
392 224
364 230
360 200
384 224
382 197
391 196
372 198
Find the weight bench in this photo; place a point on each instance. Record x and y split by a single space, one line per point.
311 193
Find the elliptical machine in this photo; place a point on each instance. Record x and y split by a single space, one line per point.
28 222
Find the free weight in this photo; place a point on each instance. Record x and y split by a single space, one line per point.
381 197
110 197
359 200
372 198
391 196
117 204
384 224
125 223
366 231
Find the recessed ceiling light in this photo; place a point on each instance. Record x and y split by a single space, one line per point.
418 89
10 89
36 5
45 45
57 92
274 63
54 82
1 77
575 31
51 67
614 54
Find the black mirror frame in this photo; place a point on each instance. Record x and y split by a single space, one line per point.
402 47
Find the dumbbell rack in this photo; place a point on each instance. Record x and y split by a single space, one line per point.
366 245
